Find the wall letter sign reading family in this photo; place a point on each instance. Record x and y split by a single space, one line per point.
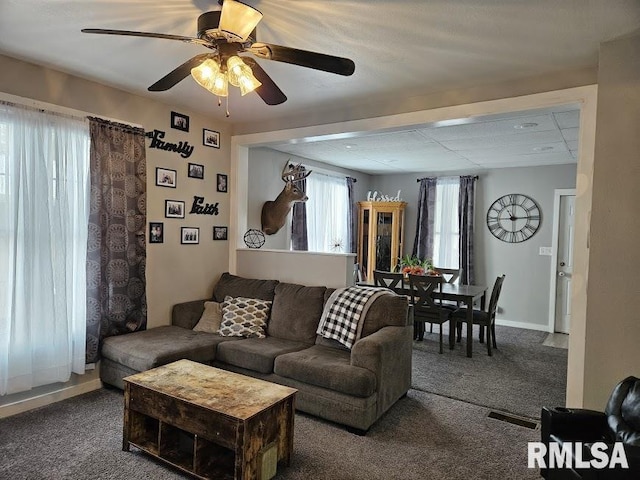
200 208
183 148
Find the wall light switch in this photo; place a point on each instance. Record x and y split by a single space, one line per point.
546 251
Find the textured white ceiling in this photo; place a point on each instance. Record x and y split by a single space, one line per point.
400 47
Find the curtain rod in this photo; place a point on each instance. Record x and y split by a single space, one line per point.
475 177
42 110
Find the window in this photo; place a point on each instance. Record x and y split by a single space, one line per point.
44 196
446 235
327 213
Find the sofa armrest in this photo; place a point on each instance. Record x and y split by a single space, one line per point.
387 353
573 424
187 314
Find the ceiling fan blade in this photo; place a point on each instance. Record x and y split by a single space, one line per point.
178 74
268 91
130 33
304 58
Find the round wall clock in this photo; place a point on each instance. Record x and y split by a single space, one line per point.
513 218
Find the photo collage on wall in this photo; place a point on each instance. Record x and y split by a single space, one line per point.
168 178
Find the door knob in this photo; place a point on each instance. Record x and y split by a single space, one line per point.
562 264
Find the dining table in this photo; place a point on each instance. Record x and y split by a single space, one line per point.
464 294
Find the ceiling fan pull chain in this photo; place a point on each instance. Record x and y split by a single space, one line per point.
228 114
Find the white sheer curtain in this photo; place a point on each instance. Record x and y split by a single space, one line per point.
446 225
327 213
44 167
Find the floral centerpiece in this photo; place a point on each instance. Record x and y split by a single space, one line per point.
411 264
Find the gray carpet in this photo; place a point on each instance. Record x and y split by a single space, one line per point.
522 375
423 436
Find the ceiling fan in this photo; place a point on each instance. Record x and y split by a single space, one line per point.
227 33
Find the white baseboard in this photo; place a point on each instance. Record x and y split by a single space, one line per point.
528 326
48 398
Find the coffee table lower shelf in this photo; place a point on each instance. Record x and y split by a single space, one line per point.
181 449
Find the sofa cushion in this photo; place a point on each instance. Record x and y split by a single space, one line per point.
161 345
296 312
210 319
256 354
244 317
386 310
234 286
326 367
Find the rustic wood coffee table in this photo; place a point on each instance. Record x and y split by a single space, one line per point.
209 422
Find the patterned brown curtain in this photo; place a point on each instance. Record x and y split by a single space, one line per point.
116 251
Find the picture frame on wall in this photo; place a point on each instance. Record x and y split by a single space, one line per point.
195 171
165 177
189 235
221 183
210 138
174 209
179 121
156 232
219 233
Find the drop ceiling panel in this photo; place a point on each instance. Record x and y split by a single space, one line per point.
570 119
570 134
512 150
538 123
529 160
533 138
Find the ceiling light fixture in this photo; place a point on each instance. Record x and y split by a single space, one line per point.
238 20
216 75
526 125
545 148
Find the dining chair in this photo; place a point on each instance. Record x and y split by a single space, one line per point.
480 317
392 281
357 273
449 275
426 307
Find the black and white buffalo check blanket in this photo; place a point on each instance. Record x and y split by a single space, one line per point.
345 311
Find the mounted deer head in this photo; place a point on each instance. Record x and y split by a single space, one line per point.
274 213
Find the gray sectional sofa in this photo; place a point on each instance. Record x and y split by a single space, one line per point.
351 387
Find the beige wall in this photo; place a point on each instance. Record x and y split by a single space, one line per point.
613 323
175 272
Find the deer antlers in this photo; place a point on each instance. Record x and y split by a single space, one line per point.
295 173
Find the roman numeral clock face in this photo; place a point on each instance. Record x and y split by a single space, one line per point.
513 218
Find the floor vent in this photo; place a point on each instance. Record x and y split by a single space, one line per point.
515 420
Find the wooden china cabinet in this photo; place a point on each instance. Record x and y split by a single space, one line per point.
380 236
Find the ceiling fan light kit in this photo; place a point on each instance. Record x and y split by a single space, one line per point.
238 20
228 33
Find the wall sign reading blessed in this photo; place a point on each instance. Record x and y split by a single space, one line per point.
200 208
377 197
183 148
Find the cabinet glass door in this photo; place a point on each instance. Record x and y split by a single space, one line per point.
384 223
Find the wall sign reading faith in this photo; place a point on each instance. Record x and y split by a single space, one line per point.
183 148
377 197
200 208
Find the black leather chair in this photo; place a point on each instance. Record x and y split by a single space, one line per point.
620 422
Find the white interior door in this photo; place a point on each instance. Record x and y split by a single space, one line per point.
564 263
